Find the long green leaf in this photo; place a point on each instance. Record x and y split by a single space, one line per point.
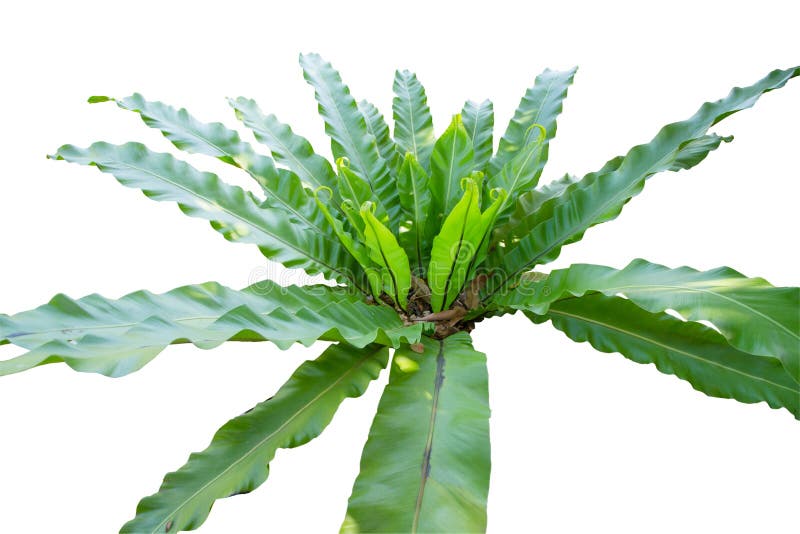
347 128
237 460
413 124
117 337
478 120
425 467
386 252
536 206
754 316
415 198
451 161
216 140
541 104
599 198
233 212
497 199
690 351
287 147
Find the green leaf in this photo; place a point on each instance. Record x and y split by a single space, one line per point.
415 198
479 121
454 247
529 202
413 124
353 188
117 337
450 162
425 467
347 128
498 199
600 197
534 206
376 125
754 316
351 213
355 248
237 460
216 140
541 104
287 147
690 351
386 252
522 171
233 212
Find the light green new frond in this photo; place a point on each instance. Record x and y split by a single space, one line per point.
386 252
455 246
356 249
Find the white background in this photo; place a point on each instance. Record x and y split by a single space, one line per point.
582 441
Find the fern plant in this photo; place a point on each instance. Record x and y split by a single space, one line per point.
421 237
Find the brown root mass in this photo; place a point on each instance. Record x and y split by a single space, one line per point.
449 321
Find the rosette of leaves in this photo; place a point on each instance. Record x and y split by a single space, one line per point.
421 236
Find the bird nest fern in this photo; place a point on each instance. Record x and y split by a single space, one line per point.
421 237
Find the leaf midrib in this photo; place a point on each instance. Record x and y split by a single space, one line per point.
426 455
413 129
